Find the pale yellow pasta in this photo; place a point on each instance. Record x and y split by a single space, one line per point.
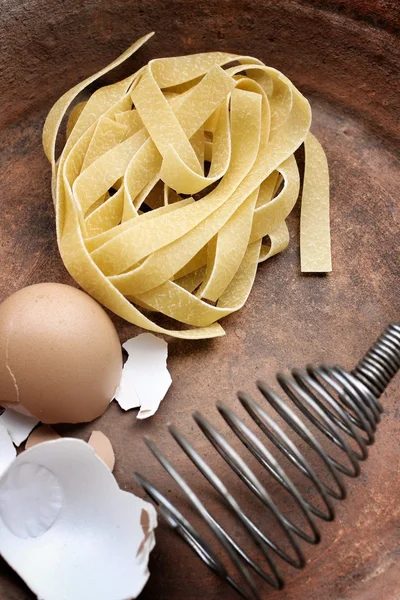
130 228
315 246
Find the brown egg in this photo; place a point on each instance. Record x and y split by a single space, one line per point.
60 355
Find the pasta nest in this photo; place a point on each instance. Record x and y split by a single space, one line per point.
171 181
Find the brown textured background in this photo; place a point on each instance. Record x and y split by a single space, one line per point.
344 55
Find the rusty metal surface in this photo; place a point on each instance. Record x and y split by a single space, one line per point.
344 57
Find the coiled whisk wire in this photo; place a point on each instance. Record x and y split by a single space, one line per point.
344 407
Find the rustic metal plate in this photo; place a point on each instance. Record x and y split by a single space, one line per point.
345 57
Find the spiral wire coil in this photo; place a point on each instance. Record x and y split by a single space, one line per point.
344 407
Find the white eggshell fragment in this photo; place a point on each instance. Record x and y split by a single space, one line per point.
18 425
30 499
95 546
145 377
7 450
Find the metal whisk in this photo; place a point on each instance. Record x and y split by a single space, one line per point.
343 406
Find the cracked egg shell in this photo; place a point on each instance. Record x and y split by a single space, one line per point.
60 355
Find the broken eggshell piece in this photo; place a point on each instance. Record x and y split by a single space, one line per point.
7 450
103 448
18 425
68 530
145 377
43 433
60 354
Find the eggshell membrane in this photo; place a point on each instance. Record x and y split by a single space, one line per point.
60 355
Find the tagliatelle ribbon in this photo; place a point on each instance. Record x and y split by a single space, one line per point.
130 229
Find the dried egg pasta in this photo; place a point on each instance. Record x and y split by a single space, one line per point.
129 227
